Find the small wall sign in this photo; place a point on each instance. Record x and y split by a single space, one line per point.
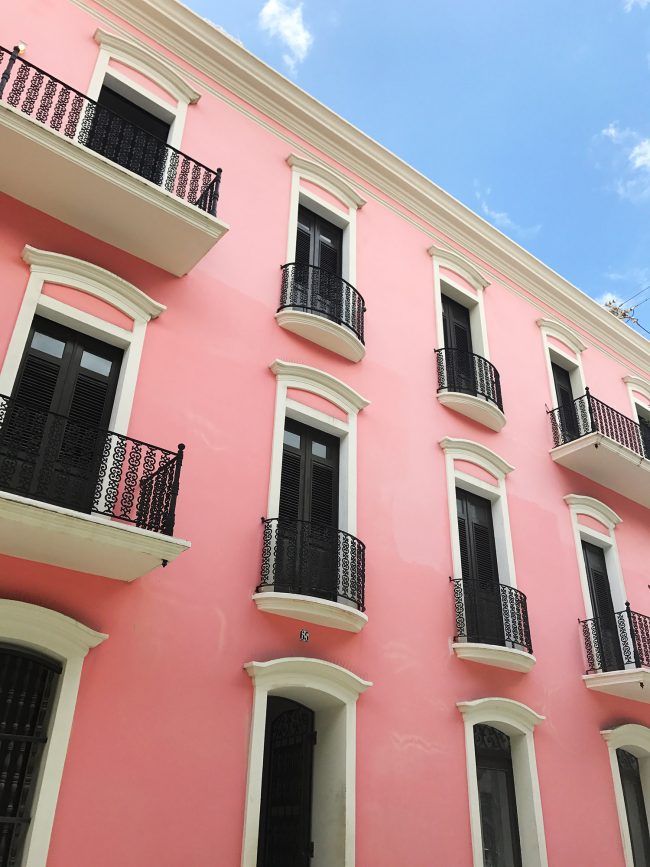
304 635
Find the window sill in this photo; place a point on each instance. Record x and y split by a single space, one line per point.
476 408
492 654
330 335
633 684
44 533
310 609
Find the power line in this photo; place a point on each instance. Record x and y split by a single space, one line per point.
642 289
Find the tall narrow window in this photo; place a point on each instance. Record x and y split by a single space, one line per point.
497 802
635 808
308 513
129 135
458 346
565 402
52 435
484 619
643 415
600 592
318 265
28 684
285 809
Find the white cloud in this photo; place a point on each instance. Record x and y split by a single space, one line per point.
501 219
278 18
640 155
630 4
629 161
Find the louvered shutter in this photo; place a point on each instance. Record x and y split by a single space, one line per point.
600 592
456 325
290 486
323 495
635 808
645 435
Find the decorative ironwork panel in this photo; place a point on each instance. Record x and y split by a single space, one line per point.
51 458
468 595
57 105
466 372
316 290
312 559
617 644
490 740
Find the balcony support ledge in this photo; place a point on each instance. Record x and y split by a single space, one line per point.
495 655
477 408
322 331
311 609
633 683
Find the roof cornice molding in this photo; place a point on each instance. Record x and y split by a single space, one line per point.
135 55
562 333
460 264
186 34
89 278
323 175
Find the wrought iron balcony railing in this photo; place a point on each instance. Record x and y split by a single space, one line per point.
316 290
66 111
53 459
313 559
618 642
490 613
468 373
587 414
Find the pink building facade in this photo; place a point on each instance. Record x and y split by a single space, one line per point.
433 649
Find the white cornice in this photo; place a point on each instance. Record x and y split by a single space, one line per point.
89 278
639 385
628 735
220 57
306 672
468 450
500 710
47 629
455 261
561 332
135 55
333 389
582 505
320 174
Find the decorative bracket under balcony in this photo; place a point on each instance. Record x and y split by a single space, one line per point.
470 385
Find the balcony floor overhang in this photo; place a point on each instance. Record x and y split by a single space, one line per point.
477 408
491 654
330 335
31 530
73 184
632 683
311 609
605 461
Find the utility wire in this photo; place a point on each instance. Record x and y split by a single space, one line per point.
642 289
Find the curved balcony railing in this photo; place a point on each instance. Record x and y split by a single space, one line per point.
491 613
468 373
53 459
617 642
313 559
316 290
587 414
70 113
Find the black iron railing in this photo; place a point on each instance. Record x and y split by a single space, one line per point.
316 290
72 114
468 373
587 414
314 560
491 613
617 642
54 459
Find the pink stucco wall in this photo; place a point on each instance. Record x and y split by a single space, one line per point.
156 768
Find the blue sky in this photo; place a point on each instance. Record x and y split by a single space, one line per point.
534 113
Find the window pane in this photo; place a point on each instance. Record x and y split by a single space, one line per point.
498 845
635 807
292 439
45 343
319 449
96 363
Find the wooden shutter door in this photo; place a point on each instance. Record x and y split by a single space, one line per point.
635 808
288 565
482 592
565 402
603 608
459 362
645 436
323 515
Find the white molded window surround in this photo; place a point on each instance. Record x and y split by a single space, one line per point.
488 481
331 692
54 268
634 739
518 722
67 641
158 69
301 378
639 391
564 348
456 263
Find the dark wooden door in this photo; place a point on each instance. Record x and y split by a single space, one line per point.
459 361
53 434
566 407
307 551
129 135
603 608
645 435
497 801
285 811
482 592
319 244
635 808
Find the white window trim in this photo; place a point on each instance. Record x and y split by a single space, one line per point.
67 641
47 267
326 688
157 68
490 462
458 264
309 379
581 505
639 386
335 185
518 722
636 740
558 331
